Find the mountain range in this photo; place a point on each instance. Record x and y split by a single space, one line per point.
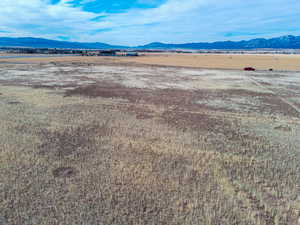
284 42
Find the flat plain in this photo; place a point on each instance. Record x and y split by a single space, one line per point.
223 61
150 140
281 62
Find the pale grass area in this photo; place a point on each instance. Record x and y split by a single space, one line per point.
76 74
79 160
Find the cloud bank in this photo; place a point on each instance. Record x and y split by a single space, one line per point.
172 21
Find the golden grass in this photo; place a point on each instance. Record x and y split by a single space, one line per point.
74 59
211 61
221 61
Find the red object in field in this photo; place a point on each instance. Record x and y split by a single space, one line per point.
249 69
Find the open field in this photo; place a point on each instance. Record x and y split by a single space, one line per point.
279 62
223 61
89 140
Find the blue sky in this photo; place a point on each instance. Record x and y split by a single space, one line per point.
136 22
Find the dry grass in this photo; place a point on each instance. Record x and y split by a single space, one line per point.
216 61
221 61
86 156
57 60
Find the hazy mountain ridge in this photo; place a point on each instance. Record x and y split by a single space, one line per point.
46 43
284 42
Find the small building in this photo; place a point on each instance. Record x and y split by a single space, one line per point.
132 54
92 53
121 53
125 53
108 53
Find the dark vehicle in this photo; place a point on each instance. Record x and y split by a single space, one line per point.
249 69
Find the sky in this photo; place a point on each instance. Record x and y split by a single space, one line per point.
138 22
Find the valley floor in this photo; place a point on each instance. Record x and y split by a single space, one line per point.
113 142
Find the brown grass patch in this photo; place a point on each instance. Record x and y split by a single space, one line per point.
185 100
13 103
72 140
64 172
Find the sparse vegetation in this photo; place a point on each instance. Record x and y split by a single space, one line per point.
110 154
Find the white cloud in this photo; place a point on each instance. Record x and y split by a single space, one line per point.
87 1
37 17
173 21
